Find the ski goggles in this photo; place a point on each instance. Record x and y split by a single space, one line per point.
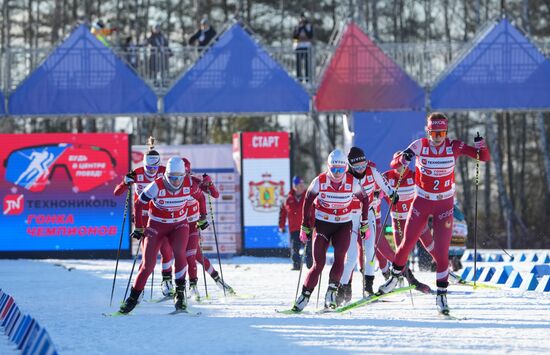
175 180
86 166
359 166
338 169
437 134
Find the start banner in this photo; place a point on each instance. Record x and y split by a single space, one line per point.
264 159
57 192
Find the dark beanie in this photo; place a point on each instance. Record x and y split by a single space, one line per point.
356 155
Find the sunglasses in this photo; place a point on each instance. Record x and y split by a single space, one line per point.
338 169
33 167
151 167
436 134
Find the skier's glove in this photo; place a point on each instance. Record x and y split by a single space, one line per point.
406 157
130 178
394 197
305 234
479 142
363 228
203 223
282 230
206 180
137 233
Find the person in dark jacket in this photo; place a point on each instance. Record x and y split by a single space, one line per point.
302 37
158 60
292 209
204 34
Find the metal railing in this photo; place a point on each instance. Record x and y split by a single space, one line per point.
160 68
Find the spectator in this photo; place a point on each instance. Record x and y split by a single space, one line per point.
204 34
158 59
130 51
292 208
302 39
101 32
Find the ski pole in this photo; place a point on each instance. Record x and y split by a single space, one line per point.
364 261
203 269
216 240
501 248
128 196
475 215
300 273
133 266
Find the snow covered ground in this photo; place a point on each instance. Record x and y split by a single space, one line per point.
68 297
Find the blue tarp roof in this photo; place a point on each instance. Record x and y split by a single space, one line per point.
236 75
2 102
82 76
502 70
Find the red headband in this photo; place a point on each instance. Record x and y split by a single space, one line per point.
437 124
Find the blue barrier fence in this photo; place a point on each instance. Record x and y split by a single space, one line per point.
22 329
524 270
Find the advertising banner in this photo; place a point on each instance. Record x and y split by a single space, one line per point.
216 161
265 180
58 194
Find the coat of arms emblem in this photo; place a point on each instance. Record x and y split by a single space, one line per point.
266 195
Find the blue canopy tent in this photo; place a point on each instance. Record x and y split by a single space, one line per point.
82 77
236 75
502 70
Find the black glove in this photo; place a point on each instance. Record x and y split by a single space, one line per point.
203 223
137 233
394 197
408 155
130 178
479 142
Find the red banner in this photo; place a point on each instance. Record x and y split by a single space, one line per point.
265 145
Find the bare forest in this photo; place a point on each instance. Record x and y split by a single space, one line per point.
514 190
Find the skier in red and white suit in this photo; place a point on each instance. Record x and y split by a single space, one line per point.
435 187
141 177
196 219
369 177
169 196
332 192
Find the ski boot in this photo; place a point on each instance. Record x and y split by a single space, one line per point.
419 286
223 285
166 286
387 273
340 295
131 302
392 282
302 300
343 295
369 280
180 301
193 290
330 296
441 301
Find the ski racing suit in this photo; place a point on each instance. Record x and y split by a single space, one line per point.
332 222
167 220
435 188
